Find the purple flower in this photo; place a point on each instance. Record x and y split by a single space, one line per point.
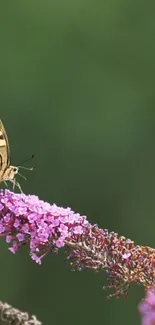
126 255
60 242
9 239
17 223
78 230
44 227
20 237
147 308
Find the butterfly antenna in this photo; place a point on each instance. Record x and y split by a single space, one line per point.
23 167
27 168
24 161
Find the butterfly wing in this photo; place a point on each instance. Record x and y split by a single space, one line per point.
4 150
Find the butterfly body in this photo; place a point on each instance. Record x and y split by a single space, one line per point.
7 172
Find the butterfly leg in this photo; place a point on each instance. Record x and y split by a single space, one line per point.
18 185
13 181
6 184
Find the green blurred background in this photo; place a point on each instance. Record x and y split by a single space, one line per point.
77 84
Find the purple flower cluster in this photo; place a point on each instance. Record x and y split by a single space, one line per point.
26 219
147 308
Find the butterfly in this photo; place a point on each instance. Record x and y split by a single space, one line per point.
7 171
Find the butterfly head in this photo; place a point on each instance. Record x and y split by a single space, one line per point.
11 172
15 170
